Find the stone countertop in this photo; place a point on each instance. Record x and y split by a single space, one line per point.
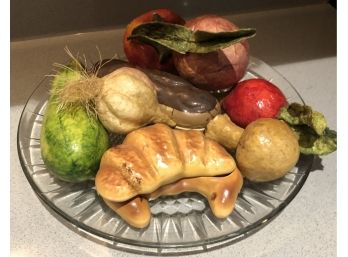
291 40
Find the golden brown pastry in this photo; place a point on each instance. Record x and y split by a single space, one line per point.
136 212
221 193
157 155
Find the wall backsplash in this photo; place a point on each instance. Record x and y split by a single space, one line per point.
44 18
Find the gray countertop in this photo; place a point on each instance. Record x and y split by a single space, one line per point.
292 41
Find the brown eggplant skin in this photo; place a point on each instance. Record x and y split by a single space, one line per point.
187 105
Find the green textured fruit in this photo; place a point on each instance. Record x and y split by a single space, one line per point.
72 142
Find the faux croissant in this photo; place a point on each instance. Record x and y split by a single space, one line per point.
221 193
158 155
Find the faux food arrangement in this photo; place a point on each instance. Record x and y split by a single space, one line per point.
184 117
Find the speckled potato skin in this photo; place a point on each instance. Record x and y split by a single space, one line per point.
267 150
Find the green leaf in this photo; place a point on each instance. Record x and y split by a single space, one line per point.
312 143
297 114
183 40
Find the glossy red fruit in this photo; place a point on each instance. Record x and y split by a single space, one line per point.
253 99
144 55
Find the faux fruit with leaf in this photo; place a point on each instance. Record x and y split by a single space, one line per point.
209 51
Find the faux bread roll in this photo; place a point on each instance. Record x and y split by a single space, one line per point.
157 155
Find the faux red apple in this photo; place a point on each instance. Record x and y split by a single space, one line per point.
144 55
253 99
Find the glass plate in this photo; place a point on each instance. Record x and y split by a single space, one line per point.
181 224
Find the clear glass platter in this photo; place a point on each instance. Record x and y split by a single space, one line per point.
180 225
